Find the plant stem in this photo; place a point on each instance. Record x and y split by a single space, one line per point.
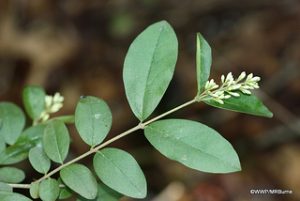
91 151
97 148
23 186
170 111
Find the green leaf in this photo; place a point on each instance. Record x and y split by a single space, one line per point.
104 194
56 141
11 175
49 190
107 194
93 120
5 188
119 170
80 179
67 119
248 104
7 196
34 190
39 160
19 151
64 192
12 122
194 145
149 67
34 101
203 61
2 144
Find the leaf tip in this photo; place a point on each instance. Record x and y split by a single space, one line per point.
269 114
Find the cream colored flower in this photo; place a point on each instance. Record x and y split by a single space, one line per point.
231 87
52 104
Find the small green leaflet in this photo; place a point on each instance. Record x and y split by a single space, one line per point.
104 194
248 104
56 141
5 188
194 145
39 160
64 192
49 190
11 175
203 61
12 122
93 120
148 68
80 179
107 194
34 101
7 196
119 170
19 151
34 190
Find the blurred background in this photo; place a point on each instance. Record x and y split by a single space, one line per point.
78 48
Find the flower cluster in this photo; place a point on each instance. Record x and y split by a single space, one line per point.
52 105
231 87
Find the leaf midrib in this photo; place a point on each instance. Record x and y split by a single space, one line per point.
56 145
149 69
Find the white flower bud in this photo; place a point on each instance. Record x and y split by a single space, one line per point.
57 98
242 76
48 101
229 78
223 78
233 93
234 87
52 104
219 101
255 79
206 85
249 77
56 107
246 91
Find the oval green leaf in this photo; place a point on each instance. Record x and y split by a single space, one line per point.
107 194
194 145
39 160
93 120
119 170
5 188
11 175
34 101
65 192
248 104
104 194
203 61
56 141
49 190
12 122
19 151
7 196
34 190
149 67
80 179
